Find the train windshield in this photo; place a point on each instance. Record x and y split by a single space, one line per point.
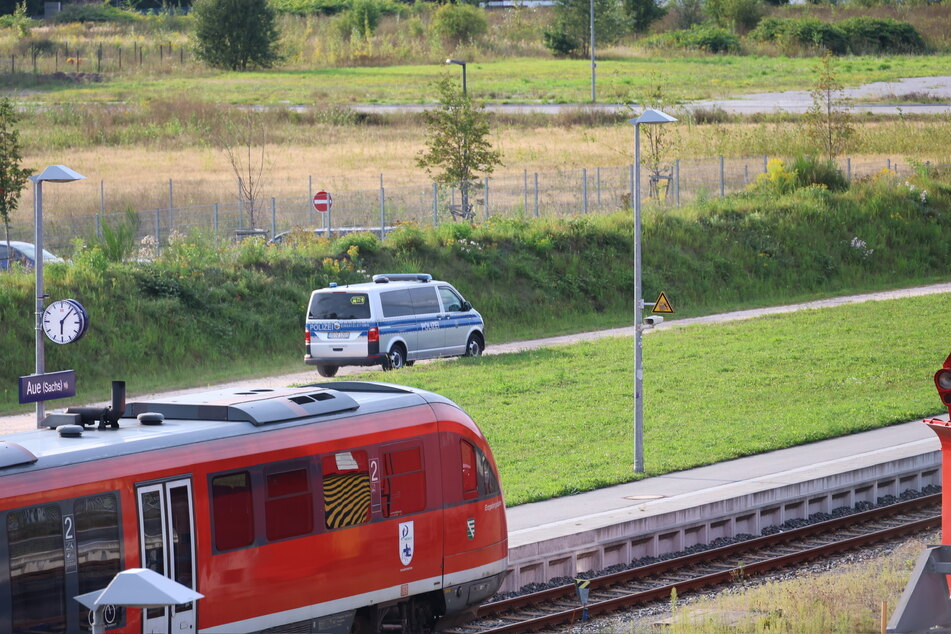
340 305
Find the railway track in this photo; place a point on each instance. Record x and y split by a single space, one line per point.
717 566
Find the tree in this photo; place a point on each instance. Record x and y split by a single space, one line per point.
571 33
13 177
829 122
457 144
642 13
235 34
243 140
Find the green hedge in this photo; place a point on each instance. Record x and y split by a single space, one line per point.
858 36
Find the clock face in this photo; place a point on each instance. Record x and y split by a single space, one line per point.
65 321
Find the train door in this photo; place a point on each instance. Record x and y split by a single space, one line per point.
167 546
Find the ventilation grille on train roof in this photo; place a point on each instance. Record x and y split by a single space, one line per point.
258 406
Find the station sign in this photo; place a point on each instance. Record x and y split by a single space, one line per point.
46 387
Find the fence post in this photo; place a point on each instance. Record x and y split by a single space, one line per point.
310 199
273 216
765 164
171 223
486 198
746 174
677 180
599 187
382 210
721 176
525 190
632 185
536 194
888 163
102 208
158 233
584 188
435 205
216 220
848 168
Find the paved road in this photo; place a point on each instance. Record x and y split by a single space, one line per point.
21 422
864 99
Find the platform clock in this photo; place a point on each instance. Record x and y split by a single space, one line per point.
65 321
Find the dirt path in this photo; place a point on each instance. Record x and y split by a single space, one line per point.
22 422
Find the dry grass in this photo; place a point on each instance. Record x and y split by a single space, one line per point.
353 157
847 599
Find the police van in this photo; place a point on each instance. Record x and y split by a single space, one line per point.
392 321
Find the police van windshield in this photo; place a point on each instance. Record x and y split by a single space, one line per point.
339 306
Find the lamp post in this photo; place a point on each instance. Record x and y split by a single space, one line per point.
52 174
648 117
463 64
593 64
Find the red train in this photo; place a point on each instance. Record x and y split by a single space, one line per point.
338 507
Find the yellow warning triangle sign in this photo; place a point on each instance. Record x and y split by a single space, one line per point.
662 305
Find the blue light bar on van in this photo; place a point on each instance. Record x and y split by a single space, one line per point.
383 278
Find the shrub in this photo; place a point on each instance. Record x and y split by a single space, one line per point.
235 34
364 16
810 170
95 13
872 36
561 43
807 32
459 22
309 7
704 37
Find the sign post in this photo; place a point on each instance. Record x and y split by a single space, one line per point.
323 203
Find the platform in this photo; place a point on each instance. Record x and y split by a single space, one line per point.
654 516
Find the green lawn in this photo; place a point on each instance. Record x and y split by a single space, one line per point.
519 80
560 419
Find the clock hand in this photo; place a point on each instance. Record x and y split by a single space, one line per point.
63 320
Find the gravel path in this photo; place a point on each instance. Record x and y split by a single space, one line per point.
22 422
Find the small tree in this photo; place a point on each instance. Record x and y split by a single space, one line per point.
13 177
235 34
642 13
829 123
659 147
571 33
457 144
243 140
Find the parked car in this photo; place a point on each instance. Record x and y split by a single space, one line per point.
22 252
392 321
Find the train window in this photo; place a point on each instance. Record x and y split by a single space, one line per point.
233 517
487 477
404 483
470 482
37 568
346 481
98 549
289 508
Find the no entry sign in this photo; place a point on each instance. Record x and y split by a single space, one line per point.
323 201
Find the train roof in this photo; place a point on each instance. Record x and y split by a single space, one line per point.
183 420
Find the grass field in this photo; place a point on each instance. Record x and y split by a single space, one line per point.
518 80
560 419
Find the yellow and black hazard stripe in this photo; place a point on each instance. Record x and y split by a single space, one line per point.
346 499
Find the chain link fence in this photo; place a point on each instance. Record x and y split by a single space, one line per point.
81 209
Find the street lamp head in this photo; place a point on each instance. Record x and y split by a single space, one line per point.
57 174
652 116
455 61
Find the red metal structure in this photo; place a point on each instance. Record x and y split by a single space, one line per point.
339 507
925 603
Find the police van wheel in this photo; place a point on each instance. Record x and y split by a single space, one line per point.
397 357
327 370
474 346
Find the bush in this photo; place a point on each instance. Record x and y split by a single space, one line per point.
806 32
873 36
459 22
364 16
235 34
95 13
810 170
310 7
561 43
704 37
